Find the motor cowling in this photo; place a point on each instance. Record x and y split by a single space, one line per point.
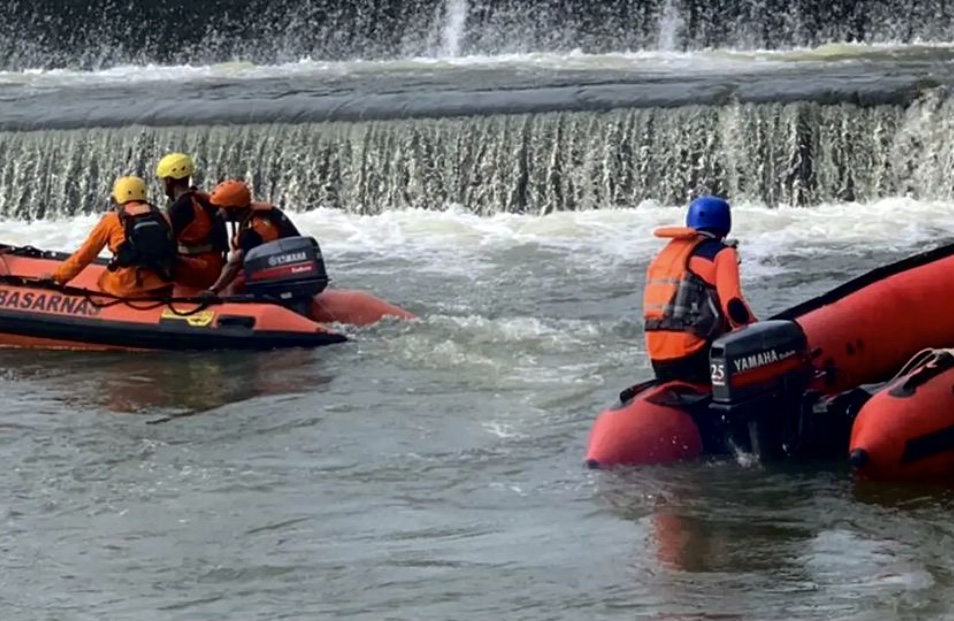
760 374
292 270
753 359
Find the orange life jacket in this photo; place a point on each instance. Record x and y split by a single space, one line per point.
207 232
676 299
268 221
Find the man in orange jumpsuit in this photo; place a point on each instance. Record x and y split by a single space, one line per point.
259 223
199 231
692 293
140 238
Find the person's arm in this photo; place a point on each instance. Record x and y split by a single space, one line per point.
248 239
729 288
229 272
86 254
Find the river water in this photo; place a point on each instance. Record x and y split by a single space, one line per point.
433 470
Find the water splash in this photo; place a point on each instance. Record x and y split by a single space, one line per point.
670 25
452 33
774 154
58 34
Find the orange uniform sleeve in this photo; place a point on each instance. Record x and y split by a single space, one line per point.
729 288
87 253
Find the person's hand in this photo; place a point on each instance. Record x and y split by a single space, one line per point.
208 293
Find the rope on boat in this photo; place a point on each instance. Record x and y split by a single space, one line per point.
96 298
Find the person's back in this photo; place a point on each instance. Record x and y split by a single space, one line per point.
201 236
199 230
148 243
693 294
140 239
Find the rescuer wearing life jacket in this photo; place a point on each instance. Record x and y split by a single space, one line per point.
199 230
258 223
693 294
139 236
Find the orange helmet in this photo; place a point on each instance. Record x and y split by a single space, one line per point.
231 194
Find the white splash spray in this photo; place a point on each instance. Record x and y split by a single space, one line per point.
452 30
670 23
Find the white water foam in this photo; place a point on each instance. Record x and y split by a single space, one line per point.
456 239
610 238
552 363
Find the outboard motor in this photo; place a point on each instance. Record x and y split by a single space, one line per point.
291 270
759 377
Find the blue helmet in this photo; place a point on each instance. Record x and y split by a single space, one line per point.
710 213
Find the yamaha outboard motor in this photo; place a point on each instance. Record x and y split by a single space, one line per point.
759 377
290 270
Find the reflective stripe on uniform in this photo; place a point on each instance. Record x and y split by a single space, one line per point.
677 299
193 250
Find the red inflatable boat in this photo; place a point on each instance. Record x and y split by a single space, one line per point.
286 305
818 353
906 430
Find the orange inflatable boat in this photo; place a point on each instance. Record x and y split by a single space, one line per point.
792 384
906 430
285 287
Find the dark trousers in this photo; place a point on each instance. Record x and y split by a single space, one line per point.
693 368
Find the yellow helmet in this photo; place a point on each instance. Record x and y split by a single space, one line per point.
129 189
175 165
